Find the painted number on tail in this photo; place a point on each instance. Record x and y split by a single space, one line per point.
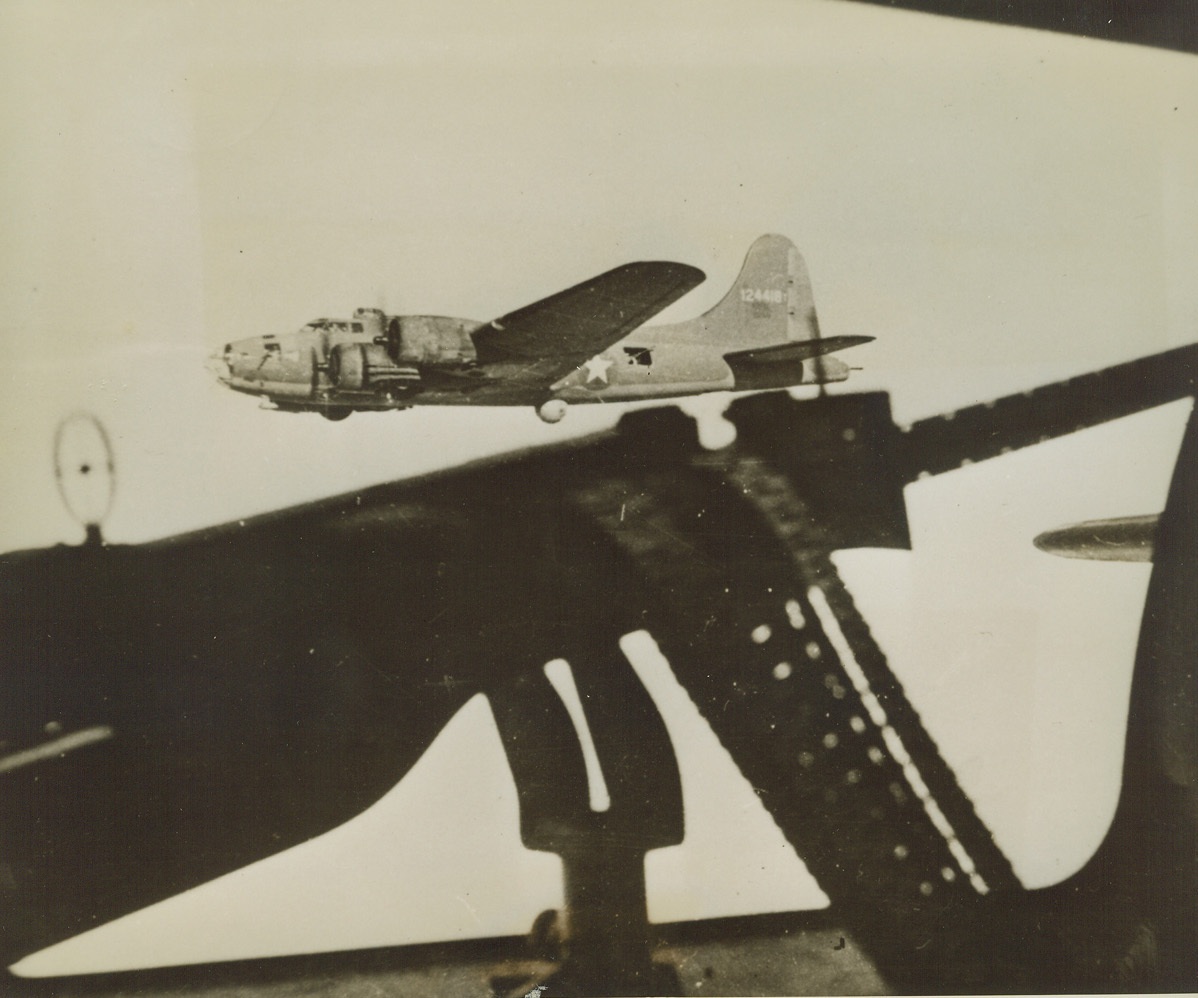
772 296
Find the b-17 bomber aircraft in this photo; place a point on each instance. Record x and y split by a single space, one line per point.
585 344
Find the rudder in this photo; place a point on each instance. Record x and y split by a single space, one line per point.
770 302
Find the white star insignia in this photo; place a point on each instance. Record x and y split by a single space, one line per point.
597 368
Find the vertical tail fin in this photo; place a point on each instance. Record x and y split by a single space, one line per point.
770 302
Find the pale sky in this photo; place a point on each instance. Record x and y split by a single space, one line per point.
998 207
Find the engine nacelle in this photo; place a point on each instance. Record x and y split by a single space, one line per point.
362 366
431 339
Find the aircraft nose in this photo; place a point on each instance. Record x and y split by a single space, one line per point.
220 363
239 361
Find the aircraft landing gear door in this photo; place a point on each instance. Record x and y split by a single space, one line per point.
586 802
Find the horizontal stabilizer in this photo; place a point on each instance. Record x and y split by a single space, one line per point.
796 350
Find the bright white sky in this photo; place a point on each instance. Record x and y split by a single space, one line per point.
998 207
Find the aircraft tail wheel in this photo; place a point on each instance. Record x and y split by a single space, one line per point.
553 411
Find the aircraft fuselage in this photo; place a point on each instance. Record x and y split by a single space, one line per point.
293 370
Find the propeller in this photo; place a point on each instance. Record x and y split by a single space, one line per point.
84 471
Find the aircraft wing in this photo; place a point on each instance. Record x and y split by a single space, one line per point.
551 337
